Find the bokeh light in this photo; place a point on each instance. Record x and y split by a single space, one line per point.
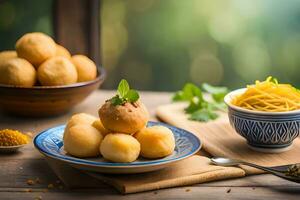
114 34
206 68
252 60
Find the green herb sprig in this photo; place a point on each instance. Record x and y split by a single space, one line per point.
125 94
200 109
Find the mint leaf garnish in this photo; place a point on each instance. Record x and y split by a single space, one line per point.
125 94
123 88
116 100
132 96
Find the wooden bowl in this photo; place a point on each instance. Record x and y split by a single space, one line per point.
40 101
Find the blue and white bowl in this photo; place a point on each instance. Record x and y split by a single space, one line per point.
271 132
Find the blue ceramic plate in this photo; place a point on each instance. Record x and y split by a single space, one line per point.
50 143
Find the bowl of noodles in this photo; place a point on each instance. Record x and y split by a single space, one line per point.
266 114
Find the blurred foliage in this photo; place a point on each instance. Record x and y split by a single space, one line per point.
162 44
19 17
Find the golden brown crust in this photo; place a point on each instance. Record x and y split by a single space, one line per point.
80 118
86 68
6 55
62 51
18 72
57 71
119 147
35 47
82 140
128 118
99 126
156 141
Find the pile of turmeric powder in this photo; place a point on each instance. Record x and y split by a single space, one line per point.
10 137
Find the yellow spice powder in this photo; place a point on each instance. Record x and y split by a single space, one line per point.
10 137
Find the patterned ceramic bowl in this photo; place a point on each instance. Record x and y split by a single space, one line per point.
264 131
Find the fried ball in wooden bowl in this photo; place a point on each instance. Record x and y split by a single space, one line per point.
6 55
86 68
36 47
57 71
127 118
118 147
39 101
57 89
82 141
156 142
17 72
62 51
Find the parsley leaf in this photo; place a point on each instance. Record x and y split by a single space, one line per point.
203 115
188 92
218 106
200 109
195 104
125 94
218 93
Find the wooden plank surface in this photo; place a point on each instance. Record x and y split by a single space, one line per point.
16 169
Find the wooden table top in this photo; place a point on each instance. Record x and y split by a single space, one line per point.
29 164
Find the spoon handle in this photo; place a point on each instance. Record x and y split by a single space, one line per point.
267 169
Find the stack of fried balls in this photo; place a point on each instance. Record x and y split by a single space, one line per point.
120 135
38 60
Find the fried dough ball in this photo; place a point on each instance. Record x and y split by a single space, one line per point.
57 71
18 72
99 126
62 51
81 118
128 118
6 55
118 147
156 141
86 68
35 47
82 141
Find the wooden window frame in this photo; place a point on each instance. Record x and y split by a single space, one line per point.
77 26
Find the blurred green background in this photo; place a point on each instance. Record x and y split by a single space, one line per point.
162 44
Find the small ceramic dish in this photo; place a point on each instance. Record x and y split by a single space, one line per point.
39 101
11 149
50 143
271 132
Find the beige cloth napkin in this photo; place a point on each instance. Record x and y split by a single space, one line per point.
196 169
220 139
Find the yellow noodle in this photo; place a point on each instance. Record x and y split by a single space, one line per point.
269 96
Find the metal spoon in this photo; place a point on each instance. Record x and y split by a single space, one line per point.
277 171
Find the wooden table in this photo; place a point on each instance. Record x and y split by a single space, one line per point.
17 169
